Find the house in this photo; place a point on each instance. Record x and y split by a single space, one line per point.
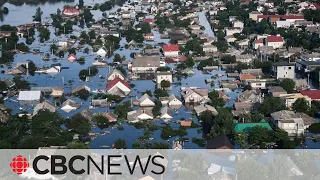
87 114
79 88
177 145
220 142
45 105
307 66
283 24
289 122
186 123
230 38
246 77
171 50
244 58
248 106
146 101
118 87
138 115
63 43
313 94
4 117
17 70
257 84
265 50
166 113
245 127
254 15
253 96
277 91
144 64
53 70
205 107
100 102
256 72
195 95
208 49
101 52
70 11
300 84
171 101
229 31
275 41
9 83
69 105
163 76
72 57
237 24
113 33
257 43
57 91
283 69
149 37
111 117
115 74
29 97
152 52
310 56
289 99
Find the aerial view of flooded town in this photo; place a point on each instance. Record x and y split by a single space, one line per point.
159 74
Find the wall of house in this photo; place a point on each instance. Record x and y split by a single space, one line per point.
143 69
146 103
114 75
194 97
175 102
275 45
171 54
285 72
144 117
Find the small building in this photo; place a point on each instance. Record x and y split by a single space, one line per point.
138 115
171 50
29 97
63 43
194 95
4 117
163 76
72 57
275 41
115 74
205 107
101 52
118 87
245 127
146 101
45 105
244 58
289 99
220 142
149 37
111 117
69 105
313 94
248 106
71 11
57 92
209 49
75 90
277 91
87 114
143 64
186 123
166 113
283 70
258 43
171 101
100 102
250 96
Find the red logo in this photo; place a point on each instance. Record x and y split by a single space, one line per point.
19 164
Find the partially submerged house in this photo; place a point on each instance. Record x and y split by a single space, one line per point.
195 95
115 74
111 117
140 114
171 101
118 87
205 107
146 101
70 105
45 105
57 92
166 113
29 97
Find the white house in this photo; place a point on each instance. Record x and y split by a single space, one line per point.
140 114
289 122
195 95
29 97
275 41
149 37
283 24
146 101
171 50
283 70
163 76
69 105
115 74
238 24
53 70
63 43
244 58
258 84
209 49
166 113
101 52
145 64
171 101
119 87
229 31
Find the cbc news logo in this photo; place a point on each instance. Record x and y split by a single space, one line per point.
19 164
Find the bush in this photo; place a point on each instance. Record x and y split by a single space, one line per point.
199 142
314 128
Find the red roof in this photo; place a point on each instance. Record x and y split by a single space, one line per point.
267 16
182 58
115 81
313 94
70 10
274 39
72 56
170 60
170 47
316 5
148 35
258 41
149 20
292 17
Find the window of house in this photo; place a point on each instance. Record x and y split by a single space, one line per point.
289 67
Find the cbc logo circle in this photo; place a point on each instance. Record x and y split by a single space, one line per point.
19 164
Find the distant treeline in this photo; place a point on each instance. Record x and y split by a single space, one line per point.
35 2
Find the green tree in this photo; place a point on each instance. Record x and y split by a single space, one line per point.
81 2
156 110
53 48
79 124
148 92
259 136
83 94
270 105
301 105
241 139
120 144
190 62
44 33
222 123
37 16
117 58
160 93
165 84
122 109
288 85
228 59
3 86
216 101
244 167
160 145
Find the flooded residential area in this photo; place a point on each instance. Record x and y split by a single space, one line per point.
162 74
